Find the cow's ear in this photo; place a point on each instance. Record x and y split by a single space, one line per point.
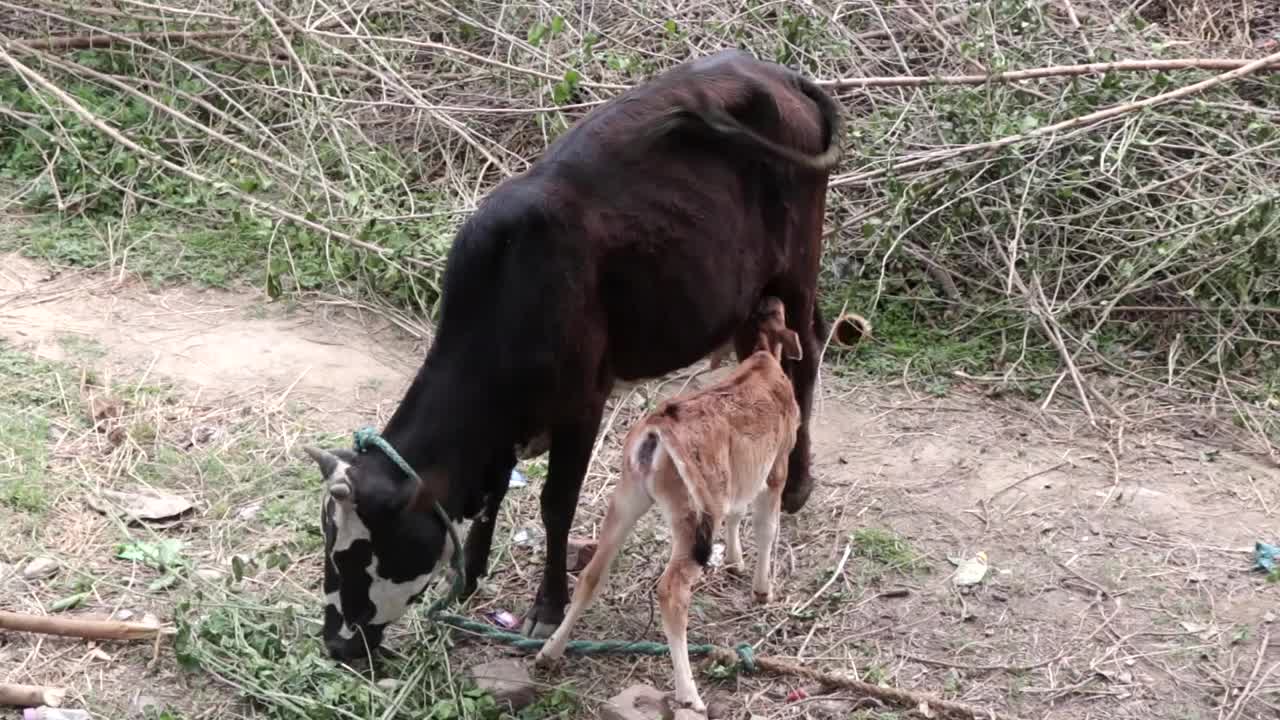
790 344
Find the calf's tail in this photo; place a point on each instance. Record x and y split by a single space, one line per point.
648 453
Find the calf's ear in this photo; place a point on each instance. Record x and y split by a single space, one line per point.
790 344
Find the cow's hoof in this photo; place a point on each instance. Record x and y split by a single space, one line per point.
541 622
796 495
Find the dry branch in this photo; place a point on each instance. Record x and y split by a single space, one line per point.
1091 119
898 696
142 152
1218 64
89 629
85 42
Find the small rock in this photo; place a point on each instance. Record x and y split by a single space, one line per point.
210 574
831 709
39 568
122 614
142 703
388 684
248 512
638 702
579 553
1269 617
507 681
139 506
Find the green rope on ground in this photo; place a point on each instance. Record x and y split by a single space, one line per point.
367 437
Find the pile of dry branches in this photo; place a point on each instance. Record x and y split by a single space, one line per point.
1117 217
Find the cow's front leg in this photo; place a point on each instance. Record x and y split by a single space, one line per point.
480 537
570 453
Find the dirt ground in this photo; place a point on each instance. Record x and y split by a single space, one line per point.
1119 582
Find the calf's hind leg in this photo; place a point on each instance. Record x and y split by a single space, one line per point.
629 502
675 590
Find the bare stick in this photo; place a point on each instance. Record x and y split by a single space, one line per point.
903 698
30 695
78 627
1092 118
83 42
1051 71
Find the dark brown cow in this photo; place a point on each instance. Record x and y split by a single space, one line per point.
638 244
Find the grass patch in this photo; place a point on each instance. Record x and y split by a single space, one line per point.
887 550
273 654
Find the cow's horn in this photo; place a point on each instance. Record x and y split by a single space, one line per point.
327 461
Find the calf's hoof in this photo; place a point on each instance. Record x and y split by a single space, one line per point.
797 494
692 702
547 660
763 597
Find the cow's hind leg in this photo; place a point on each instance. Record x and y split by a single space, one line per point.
805 319
570 453
629 502
675 590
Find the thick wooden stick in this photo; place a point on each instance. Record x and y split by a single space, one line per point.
30 695
77 627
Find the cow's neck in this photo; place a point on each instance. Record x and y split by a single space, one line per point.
439 424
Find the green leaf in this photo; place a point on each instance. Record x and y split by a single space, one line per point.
536 34
557 25
69 602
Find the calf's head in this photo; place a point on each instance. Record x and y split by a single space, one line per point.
380 548
772 334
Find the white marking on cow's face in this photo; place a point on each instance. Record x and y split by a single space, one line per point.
348 527
391 598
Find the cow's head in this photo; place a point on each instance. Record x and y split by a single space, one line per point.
773 335
381 547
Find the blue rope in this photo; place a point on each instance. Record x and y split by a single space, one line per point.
367 437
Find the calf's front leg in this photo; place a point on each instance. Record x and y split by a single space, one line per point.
767 506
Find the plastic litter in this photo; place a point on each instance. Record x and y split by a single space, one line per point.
970 571
45 712
1266 556
518 480
503 619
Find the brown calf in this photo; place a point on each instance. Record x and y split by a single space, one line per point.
703 457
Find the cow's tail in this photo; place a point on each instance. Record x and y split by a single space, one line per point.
648 454
709 114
